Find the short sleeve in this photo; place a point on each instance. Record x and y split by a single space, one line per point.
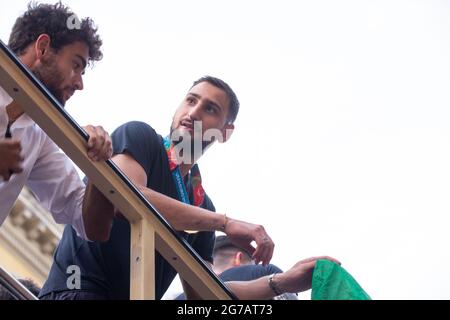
139 140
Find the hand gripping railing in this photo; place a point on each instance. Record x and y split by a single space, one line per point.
17 290
149 230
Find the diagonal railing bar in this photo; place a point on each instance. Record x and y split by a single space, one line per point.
17 290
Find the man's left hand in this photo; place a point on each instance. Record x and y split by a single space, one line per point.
242 233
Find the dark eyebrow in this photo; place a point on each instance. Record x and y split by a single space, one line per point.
194 94
209 101
83 61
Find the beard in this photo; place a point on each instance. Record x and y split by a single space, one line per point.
193 153
48 73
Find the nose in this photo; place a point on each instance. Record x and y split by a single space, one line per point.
194 112
78 85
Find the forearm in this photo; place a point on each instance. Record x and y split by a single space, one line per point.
258 289
245 290
183 216
252 290
98 214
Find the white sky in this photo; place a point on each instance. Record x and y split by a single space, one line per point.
342 144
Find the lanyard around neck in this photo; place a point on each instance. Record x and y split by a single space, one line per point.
195 178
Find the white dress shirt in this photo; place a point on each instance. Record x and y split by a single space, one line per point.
48 172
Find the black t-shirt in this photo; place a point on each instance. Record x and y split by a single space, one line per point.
105 267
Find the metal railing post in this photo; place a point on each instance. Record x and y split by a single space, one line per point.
18 290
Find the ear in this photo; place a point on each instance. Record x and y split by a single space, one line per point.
42 46
227 131
237 259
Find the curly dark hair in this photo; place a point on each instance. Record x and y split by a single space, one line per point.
218 83
60 24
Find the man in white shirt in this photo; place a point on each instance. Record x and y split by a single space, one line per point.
57 55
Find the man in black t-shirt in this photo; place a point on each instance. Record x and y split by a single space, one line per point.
165 171
146 158
105 267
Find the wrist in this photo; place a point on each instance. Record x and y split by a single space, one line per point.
224 222
274 284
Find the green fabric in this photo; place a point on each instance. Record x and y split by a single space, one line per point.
331 282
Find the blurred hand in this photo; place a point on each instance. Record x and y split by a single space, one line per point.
10 158
243 233
99 143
